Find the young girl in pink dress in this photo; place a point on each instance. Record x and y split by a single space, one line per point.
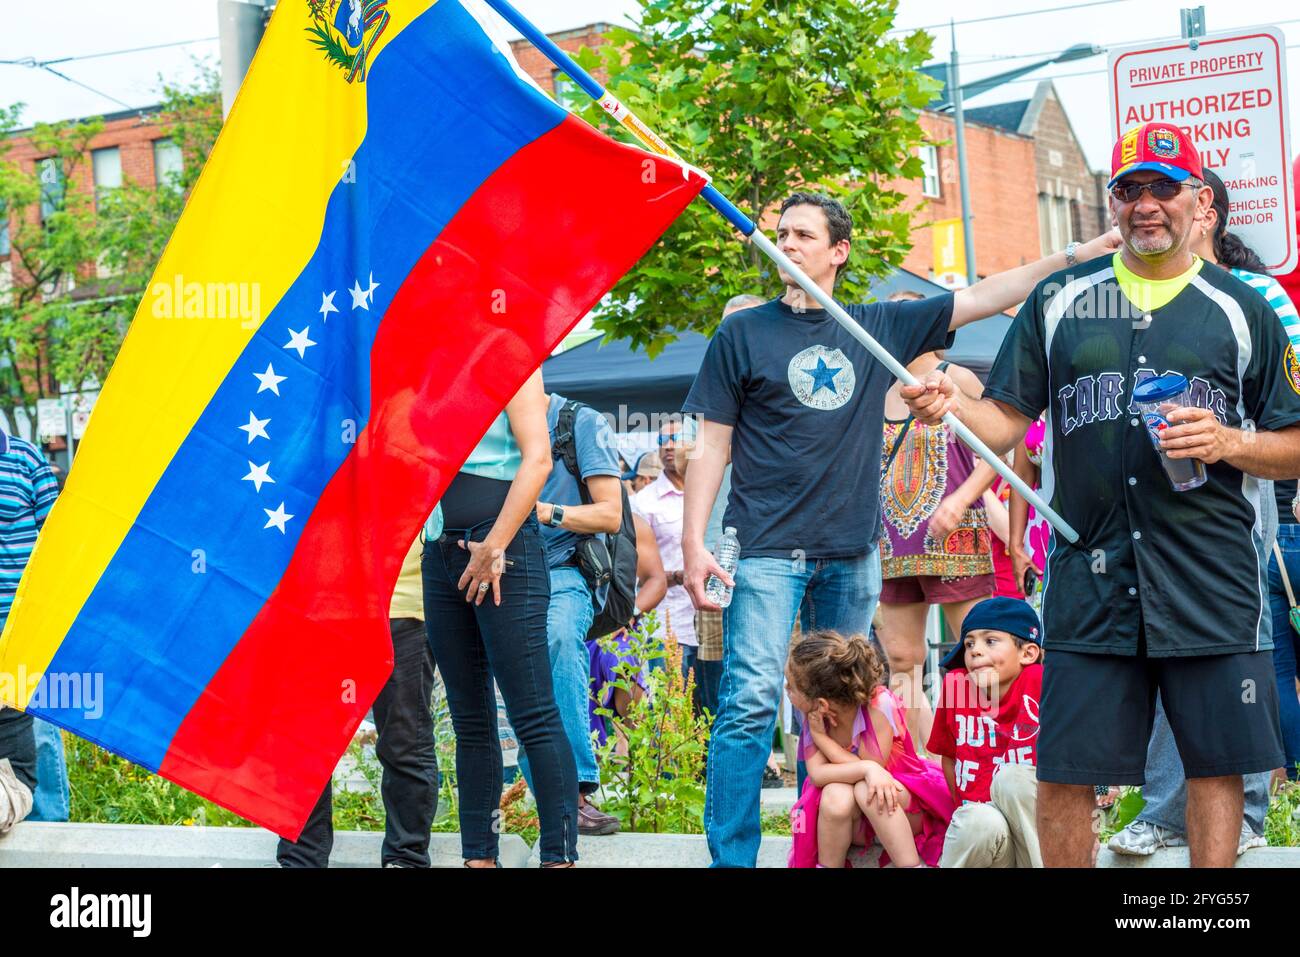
865 779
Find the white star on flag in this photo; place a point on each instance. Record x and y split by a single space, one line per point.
299 341
276 518
269 380
258 475
359 296
327 304
256 428
370 293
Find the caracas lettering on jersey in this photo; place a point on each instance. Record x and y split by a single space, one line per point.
1099 398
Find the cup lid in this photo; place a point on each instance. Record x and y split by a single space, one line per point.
1160 387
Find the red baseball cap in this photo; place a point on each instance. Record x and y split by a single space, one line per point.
1161 147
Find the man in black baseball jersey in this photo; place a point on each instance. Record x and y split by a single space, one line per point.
1166 589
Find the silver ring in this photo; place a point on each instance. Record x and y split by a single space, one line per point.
483 586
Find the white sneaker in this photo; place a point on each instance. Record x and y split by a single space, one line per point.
1142 838
1250 839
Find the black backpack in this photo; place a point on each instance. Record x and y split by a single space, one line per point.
602 559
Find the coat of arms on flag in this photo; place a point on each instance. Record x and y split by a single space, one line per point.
345 30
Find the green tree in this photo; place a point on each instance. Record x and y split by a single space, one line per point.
767 98
81 261
50 233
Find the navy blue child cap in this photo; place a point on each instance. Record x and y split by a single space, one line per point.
1012 615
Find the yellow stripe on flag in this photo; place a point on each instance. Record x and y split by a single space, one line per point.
253 220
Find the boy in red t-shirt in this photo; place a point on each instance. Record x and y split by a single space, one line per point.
986 732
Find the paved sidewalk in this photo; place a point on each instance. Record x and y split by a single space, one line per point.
39 844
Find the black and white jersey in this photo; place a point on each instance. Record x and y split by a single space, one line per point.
1155 572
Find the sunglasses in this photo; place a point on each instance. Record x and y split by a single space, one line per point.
1161 189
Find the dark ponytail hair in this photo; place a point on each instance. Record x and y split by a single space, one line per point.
825 664
1229 249
1233 253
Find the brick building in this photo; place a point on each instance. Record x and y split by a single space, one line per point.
1000 163
1071 200
543 70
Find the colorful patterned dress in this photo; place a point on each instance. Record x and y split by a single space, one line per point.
931 464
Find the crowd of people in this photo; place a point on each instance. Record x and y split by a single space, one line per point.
858 508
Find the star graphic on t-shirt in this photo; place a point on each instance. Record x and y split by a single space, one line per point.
823 376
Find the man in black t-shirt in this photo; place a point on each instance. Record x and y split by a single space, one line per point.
800 405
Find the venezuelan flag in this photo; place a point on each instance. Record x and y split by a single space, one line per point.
416 226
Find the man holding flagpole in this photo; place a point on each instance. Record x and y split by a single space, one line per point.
799 403
1167 592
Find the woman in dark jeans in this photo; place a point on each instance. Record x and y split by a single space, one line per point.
486 590
1285 639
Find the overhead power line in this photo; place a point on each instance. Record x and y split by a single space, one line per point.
46 65
1009 16
1008 57
32 61
1062 76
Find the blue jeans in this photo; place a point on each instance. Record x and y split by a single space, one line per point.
708 684
1286 641
568 619
473 644
838 593
51 799
1165 790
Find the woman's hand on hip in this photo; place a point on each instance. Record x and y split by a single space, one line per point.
486 563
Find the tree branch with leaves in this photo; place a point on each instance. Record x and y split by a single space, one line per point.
768 99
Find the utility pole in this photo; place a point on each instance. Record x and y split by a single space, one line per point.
954 87
240 27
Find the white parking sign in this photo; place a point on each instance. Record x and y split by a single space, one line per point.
1229 95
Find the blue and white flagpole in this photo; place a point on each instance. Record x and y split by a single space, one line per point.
747 227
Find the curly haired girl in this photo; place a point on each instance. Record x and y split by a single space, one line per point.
865 779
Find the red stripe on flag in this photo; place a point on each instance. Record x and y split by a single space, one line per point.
527 256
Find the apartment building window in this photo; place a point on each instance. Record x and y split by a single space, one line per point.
107 167
929 171
1055 223
167 163
50 173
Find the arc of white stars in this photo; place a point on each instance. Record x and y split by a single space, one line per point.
256 428
275 518
269 380
327 304
300 342
259 475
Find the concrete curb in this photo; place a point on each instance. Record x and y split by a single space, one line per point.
661 851
42 844
691 850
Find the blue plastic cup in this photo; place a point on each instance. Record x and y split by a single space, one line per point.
1155 399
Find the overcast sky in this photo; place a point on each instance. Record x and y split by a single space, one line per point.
64 28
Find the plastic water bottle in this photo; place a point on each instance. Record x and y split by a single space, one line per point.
727 554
